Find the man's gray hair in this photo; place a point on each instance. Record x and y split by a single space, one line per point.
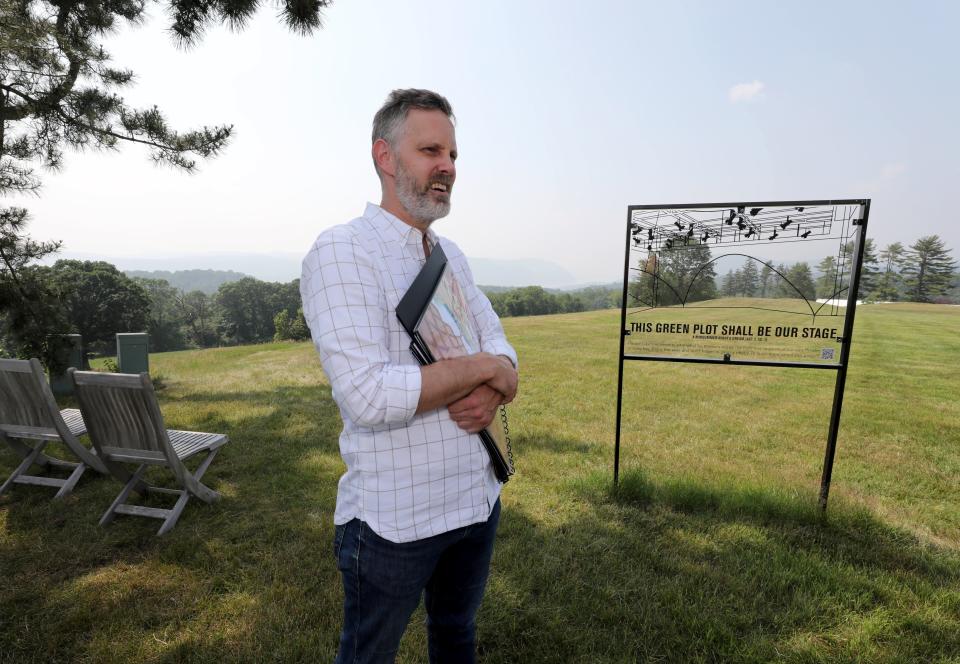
389 119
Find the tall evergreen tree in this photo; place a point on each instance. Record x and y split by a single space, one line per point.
868 268
767 279
30 314
679 277
928 269
890 281
869 271
728 287
749 278
780 286
801 277
828 281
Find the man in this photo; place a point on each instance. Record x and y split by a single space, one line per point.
418 506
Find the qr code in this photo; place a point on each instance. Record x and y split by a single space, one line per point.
826 354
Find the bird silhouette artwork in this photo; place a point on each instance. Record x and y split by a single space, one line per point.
805 234
740 224
729 220
650 234
750 232
786 223
755 211
774 236
678 225
799 209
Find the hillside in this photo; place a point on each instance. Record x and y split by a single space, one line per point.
207 281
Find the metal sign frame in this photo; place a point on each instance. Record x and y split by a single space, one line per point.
845 340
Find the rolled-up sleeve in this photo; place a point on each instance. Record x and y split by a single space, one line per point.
346 310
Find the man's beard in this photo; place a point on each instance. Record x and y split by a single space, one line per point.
418 202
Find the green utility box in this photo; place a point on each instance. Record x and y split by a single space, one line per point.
133 352
73 357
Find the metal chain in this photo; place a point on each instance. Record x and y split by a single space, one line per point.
506 435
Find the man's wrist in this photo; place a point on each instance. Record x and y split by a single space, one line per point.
479 368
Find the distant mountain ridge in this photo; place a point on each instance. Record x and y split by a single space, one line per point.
610 285
284 267
513 272
207 281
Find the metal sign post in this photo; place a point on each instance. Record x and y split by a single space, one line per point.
675 278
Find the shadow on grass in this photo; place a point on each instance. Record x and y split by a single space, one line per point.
676 571
654 571
542 442
232 581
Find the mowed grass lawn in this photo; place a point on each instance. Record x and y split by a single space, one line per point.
712 550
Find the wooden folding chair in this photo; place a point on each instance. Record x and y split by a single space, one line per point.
28 412
126 427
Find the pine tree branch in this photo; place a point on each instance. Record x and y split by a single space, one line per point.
76 121
32 73
56 94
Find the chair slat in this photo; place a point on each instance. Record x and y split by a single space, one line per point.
188 443
138 510
39 481
74 421
22 401
126 426
28 411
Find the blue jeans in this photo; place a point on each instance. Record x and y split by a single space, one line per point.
383 580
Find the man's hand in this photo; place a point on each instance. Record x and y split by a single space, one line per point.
448 381
474 412
505 379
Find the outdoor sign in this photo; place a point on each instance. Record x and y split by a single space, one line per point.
746 283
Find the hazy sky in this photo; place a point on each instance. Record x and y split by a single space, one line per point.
567 113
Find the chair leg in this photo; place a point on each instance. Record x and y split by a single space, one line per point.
28 461
24 450
198 488
121 473
134 482
71 481
192 487
175 513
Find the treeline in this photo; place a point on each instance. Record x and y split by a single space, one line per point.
96 300
537 301
240 312
769 281
923 272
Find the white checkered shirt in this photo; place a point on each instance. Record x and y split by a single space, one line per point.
408 476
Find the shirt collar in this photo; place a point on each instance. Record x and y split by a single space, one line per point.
393 228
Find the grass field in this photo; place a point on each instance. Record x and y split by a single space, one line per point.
712 550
